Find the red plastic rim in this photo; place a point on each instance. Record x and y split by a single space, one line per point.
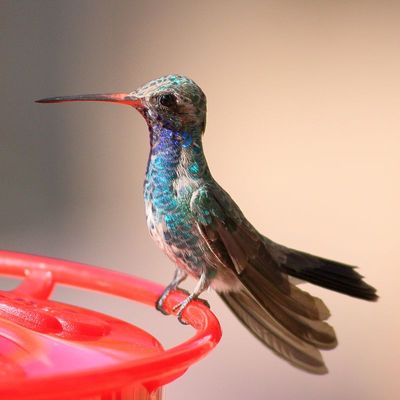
156 370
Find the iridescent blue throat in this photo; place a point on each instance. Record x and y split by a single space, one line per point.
175 168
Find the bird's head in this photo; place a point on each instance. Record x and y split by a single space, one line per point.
173 102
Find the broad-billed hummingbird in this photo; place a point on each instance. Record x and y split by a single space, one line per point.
202 230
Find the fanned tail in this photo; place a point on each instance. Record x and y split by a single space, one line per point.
326 273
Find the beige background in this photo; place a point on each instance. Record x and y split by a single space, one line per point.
303 131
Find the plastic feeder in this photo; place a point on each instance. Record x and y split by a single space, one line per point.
51 350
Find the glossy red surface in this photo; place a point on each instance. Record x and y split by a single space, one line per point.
50 350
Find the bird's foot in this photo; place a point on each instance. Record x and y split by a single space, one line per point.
182 306
160 304
161 300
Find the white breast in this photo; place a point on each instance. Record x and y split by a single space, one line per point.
155 227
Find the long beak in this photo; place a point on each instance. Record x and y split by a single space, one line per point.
121 98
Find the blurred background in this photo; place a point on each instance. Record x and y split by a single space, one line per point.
303 131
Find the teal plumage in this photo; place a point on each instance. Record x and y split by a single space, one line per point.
202 230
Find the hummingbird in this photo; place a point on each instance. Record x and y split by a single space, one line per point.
202 230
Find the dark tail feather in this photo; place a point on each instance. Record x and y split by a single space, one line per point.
273 334
297 311
326 273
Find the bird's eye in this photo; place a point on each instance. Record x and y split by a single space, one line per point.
168 100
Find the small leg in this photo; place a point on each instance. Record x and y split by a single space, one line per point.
179 276
202 284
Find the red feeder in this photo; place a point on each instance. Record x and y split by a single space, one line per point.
50 350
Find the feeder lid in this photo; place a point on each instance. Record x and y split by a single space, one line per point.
53 350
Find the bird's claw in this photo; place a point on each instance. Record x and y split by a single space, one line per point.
181 320
161 300
160 305
182 306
